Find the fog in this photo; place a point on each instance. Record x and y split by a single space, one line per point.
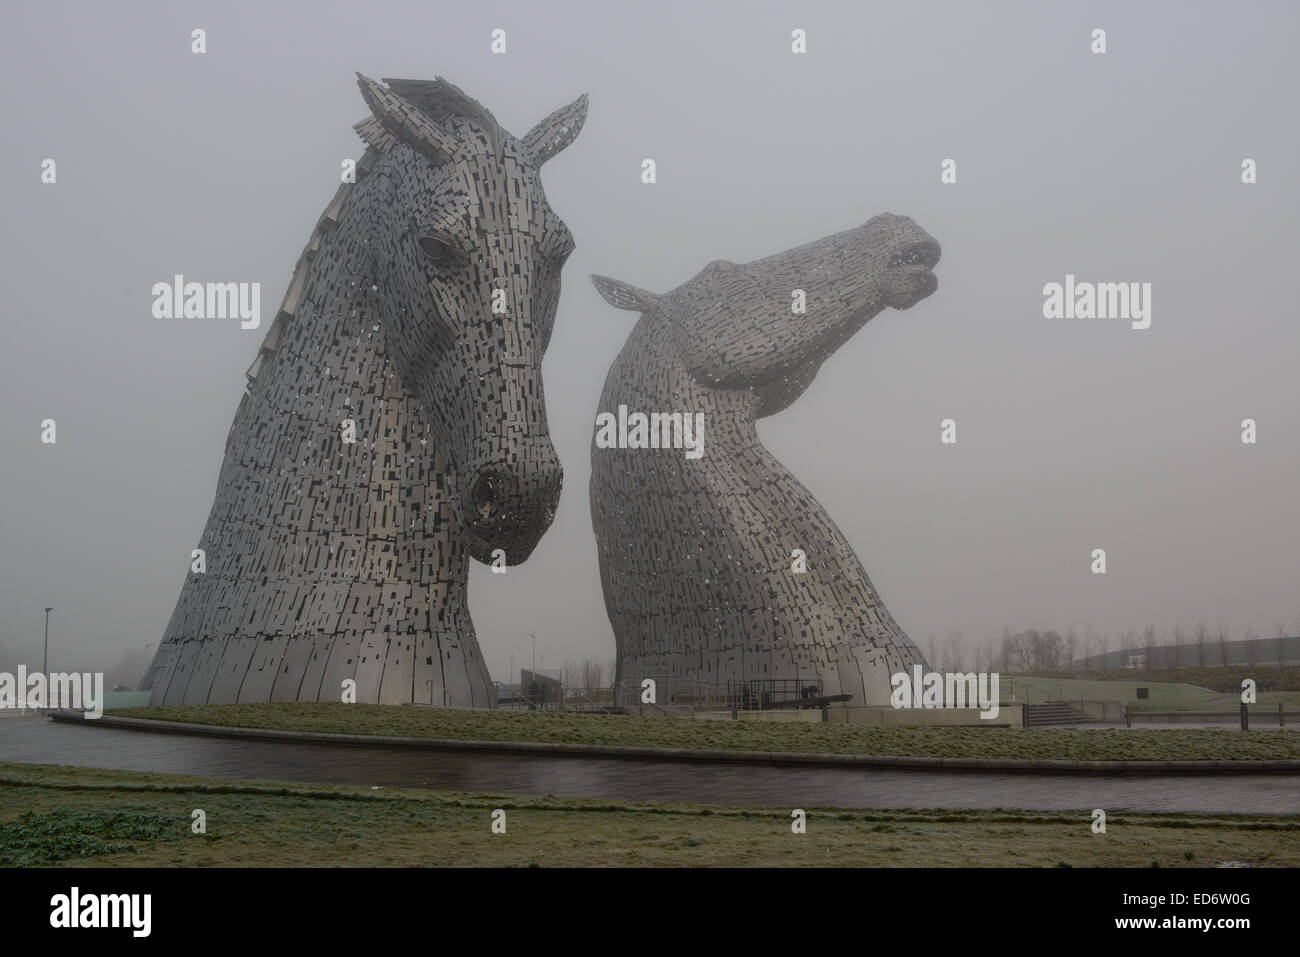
1072 435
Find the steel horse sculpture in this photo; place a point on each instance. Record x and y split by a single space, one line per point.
719 565
393 426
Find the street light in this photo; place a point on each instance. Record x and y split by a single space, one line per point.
45 662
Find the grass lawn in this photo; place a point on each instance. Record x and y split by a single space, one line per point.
52 816
1190 744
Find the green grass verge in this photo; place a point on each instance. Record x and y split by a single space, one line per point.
51 816
1190 744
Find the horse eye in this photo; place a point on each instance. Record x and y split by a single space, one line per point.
435 249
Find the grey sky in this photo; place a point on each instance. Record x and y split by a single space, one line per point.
1071 435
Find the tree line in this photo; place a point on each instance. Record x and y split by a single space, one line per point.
1034 650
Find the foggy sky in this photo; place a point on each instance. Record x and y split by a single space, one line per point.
1071 435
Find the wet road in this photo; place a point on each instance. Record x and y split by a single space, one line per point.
37 740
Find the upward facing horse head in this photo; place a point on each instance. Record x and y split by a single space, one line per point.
467 254
738 342
734 326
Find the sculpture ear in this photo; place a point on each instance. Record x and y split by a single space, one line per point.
556 131
622 296
406 123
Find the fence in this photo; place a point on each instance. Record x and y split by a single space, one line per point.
1033 691
676 692
554 697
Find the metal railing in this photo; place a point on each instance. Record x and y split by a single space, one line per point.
676 692
551 697
1038 691
692 694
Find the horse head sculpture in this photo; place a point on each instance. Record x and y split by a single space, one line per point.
720 565
467 253
394 425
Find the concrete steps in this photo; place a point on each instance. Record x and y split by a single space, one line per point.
1053 712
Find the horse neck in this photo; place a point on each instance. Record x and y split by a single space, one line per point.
382 497
650 376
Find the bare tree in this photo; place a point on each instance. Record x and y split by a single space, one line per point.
986 656
1149 639
1223 643
1027 649
953 653
1201 634
592 673
1070 639
571 674
1127 645
1281 642
1048 650
1018 651
1252 645
1032 650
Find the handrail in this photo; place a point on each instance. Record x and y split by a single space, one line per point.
445 691
1047 695
579 693
681 689
565 691
519 694
635 692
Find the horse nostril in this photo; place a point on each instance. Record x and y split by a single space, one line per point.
485 493
505 500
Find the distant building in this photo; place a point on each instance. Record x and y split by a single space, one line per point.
541 687
1191 654
542 677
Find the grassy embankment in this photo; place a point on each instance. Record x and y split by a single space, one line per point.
1032 743
53 816
1223 679
1163 696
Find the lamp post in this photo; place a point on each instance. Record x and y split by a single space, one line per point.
45 662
